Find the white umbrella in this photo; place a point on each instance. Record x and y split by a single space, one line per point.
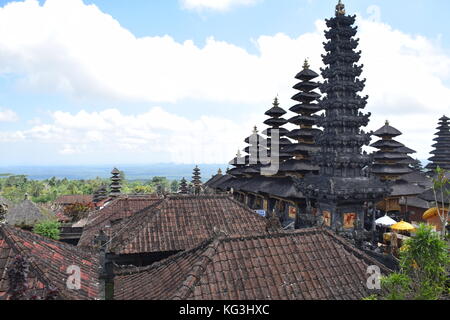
385 221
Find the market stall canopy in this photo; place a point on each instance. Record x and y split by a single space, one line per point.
403 226
385 221
433 212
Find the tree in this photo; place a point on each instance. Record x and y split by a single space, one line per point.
48 229
77 211
424 266
417 165
174 186
441 191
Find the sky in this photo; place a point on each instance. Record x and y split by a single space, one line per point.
89 82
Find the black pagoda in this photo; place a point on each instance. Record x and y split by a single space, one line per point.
183 186
307 106
276 122
115 186
441 152
100 194
196 181
391 161
342 189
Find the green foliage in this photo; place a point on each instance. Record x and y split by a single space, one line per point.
14 187
397 286
48 228
76 212
424 266
441 190
371 298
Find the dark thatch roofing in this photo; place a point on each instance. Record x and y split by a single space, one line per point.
25 213
309 264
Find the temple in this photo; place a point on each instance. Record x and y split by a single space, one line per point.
441 153
197 181
115 186
231 237
342 189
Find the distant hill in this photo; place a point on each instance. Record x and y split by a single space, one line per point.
132 172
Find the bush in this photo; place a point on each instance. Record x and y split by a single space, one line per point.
424 267
48 228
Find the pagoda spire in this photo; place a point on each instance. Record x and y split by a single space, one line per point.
115 186
391 161
275 122
183 186
342 187
196 181
305 135
441 152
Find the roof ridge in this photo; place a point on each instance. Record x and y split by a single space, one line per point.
129 270
193 277
20 251
17 232
245 207
10 233
355 251
145 214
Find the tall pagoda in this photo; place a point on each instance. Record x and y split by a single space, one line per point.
307 106
342 189
197 181
391 161
115 185
183 186
441 152
276 122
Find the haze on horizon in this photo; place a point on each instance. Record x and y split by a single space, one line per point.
99 82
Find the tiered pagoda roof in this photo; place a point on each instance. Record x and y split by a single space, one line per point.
301 164
196 180
340 158
391 161
275 122
257 153
183 186
441 153
115 186
100 194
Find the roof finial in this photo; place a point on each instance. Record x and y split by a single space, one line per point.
340 9
255 130
275 102
387 122
238 154
306 64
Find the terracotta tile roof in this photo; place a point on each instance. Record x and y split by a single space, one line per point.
309 264
182 222
115 210
73 199
49 261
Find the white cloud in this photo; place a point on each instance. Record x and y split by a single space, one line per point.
219 5
204 140
7 115
67 46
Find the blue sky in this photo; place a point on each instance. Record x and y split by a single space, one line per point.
112 81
